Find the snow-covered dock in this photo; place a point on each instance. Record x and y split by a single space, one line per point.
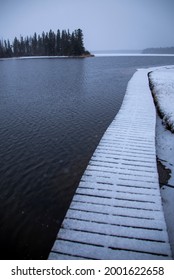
116 212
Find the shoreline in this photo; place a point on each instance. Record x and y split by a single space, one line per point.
48 57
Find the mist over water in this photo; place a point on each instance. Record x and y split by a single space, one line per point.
53 113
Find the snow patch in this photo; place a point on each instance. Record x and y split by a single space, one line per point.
162 83
165 153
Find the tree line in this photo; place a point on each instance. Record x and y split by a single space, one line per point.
61 43
167 50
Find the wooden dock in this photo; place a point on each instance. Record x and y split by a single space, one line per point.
116 212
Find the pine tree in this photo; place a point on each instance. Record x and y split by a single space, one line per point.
63 43
79 38
58 43
51 43
9 49
46 45
16 47
27 47
2 49
43 43
40 46
22 47
77 47
34 44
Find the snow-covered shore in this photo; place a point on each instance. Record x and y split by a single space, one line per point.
48 57
162 84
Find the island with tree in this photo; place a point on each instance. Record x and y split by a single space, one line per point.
61 43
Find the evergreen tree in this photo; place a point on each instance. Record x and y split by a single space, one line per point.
40 47
46 46
58 43
1 49
34 45
63 43
43 43
5 49
77 47
22 47
16 47
9 49
73 44
27 47
51 43
79 38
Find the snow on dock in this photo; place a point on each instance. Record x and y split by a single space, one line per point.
116 212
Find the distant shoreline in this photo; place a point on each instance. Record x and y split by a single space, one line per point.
129 54
48 57
167 50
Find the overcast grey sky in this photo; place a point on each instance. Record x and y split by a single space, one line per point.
106 24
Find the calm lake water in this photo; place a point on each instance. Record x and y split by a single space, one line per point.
53 113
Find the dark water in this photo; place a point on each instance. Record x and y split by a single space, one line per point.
53 113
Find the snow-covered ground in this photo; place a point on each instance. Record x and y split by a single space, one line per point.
165 153
163 91
162 81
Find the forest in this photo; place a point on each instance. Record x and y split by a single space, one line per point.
61 43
